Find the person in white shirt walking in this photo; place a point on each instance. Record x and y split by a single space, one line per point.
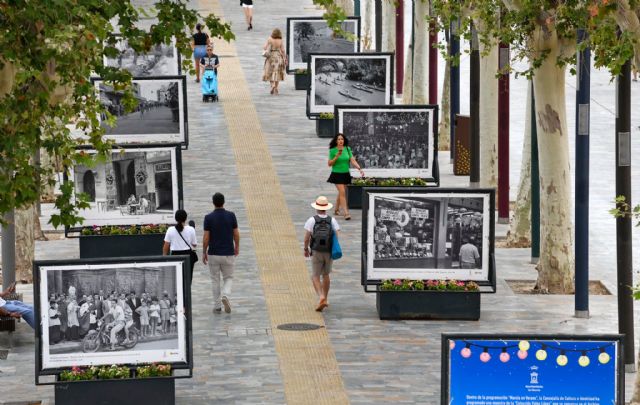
317 244
180 239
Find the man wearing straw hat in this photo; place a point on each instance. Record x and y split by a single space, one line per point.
321 255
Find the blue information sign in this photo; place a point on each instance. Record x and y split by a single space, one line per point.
531 370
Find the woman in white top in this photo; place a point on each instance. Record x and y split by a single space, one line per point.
181 239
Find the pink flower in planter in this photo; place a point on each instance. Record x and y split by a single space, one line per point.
397 282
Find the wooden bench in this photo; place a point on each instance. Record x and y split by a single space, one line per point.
8 323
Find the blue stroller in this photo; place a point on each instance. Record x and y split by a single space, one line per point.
209 86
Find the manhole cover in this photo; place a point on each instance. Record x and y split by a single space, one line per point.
299 326
4 354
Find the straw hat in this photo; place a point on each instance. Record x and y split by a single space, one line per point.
322 204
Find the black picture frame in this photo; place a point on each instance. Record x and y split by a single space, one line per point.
176 69
46 374
433 266
536 337
369 93
292 66
175 152
432 138
150 139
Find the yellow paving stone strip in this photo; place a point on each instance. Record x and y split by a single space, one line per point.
307 361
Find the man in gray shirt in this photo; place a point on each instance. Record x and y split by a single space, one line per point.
469 255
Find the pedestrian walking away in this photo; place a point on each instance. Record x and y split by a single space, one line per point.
317 244
199 43
180 239
247 7
275 60
340 158
220 246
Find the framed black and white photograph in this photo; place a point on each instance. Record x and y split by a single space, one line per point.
161 60
159 118
112 311
349 79
428 234
135 186
392 141
306 35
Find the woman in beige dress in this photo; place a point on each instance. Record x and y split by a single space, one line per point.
275 61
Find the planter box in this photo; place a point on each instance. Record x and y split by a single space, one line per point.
96 246
428 305
354 196
324 128
302 81
144 391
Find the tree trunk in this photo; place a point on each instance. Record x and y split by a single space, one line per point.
25 242
7 77
388 26
421 53
488 114
635 400
346 5
520 228
556 266
408 83
368 21
444 139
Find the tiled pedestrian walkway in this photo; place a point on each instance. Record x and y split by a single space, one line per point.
262 153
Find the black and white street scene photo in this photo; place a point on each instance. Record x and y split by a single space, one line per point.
428 236
137 186
391 142
159 116
161 60
313 35
112 313
349 80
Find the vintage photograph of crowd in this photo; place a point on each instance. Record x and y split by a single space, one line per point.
313 35
395 142
159 116
161 60
112 313
428 235
355 79
136 186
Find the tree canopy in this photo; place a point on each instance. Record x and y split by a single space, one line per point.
49 49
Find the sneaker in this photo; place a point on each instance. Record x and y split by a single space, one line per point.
227 305
217 310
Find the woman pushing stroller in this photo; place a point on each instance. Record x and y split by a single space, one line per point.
209 66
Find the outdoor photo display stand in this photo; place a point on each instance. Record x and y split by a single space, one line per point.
161 60
136 186
532 368
160 118
306 35
116 286
396 141
430 235
348 79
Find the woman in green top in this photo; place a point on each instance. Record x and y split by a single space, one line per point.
340 157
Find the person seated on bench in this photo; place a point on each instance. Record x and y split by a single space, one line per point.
16 309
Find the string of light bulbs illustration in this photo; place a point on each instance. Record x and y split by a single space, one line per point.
541 354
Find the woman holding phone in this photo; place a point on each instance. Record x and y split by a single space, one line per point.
340 159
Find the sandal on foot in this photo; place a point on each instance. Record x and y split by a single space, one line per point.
347 217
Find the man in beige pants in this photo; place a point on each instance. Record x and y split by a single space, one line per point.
320 250
221 245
